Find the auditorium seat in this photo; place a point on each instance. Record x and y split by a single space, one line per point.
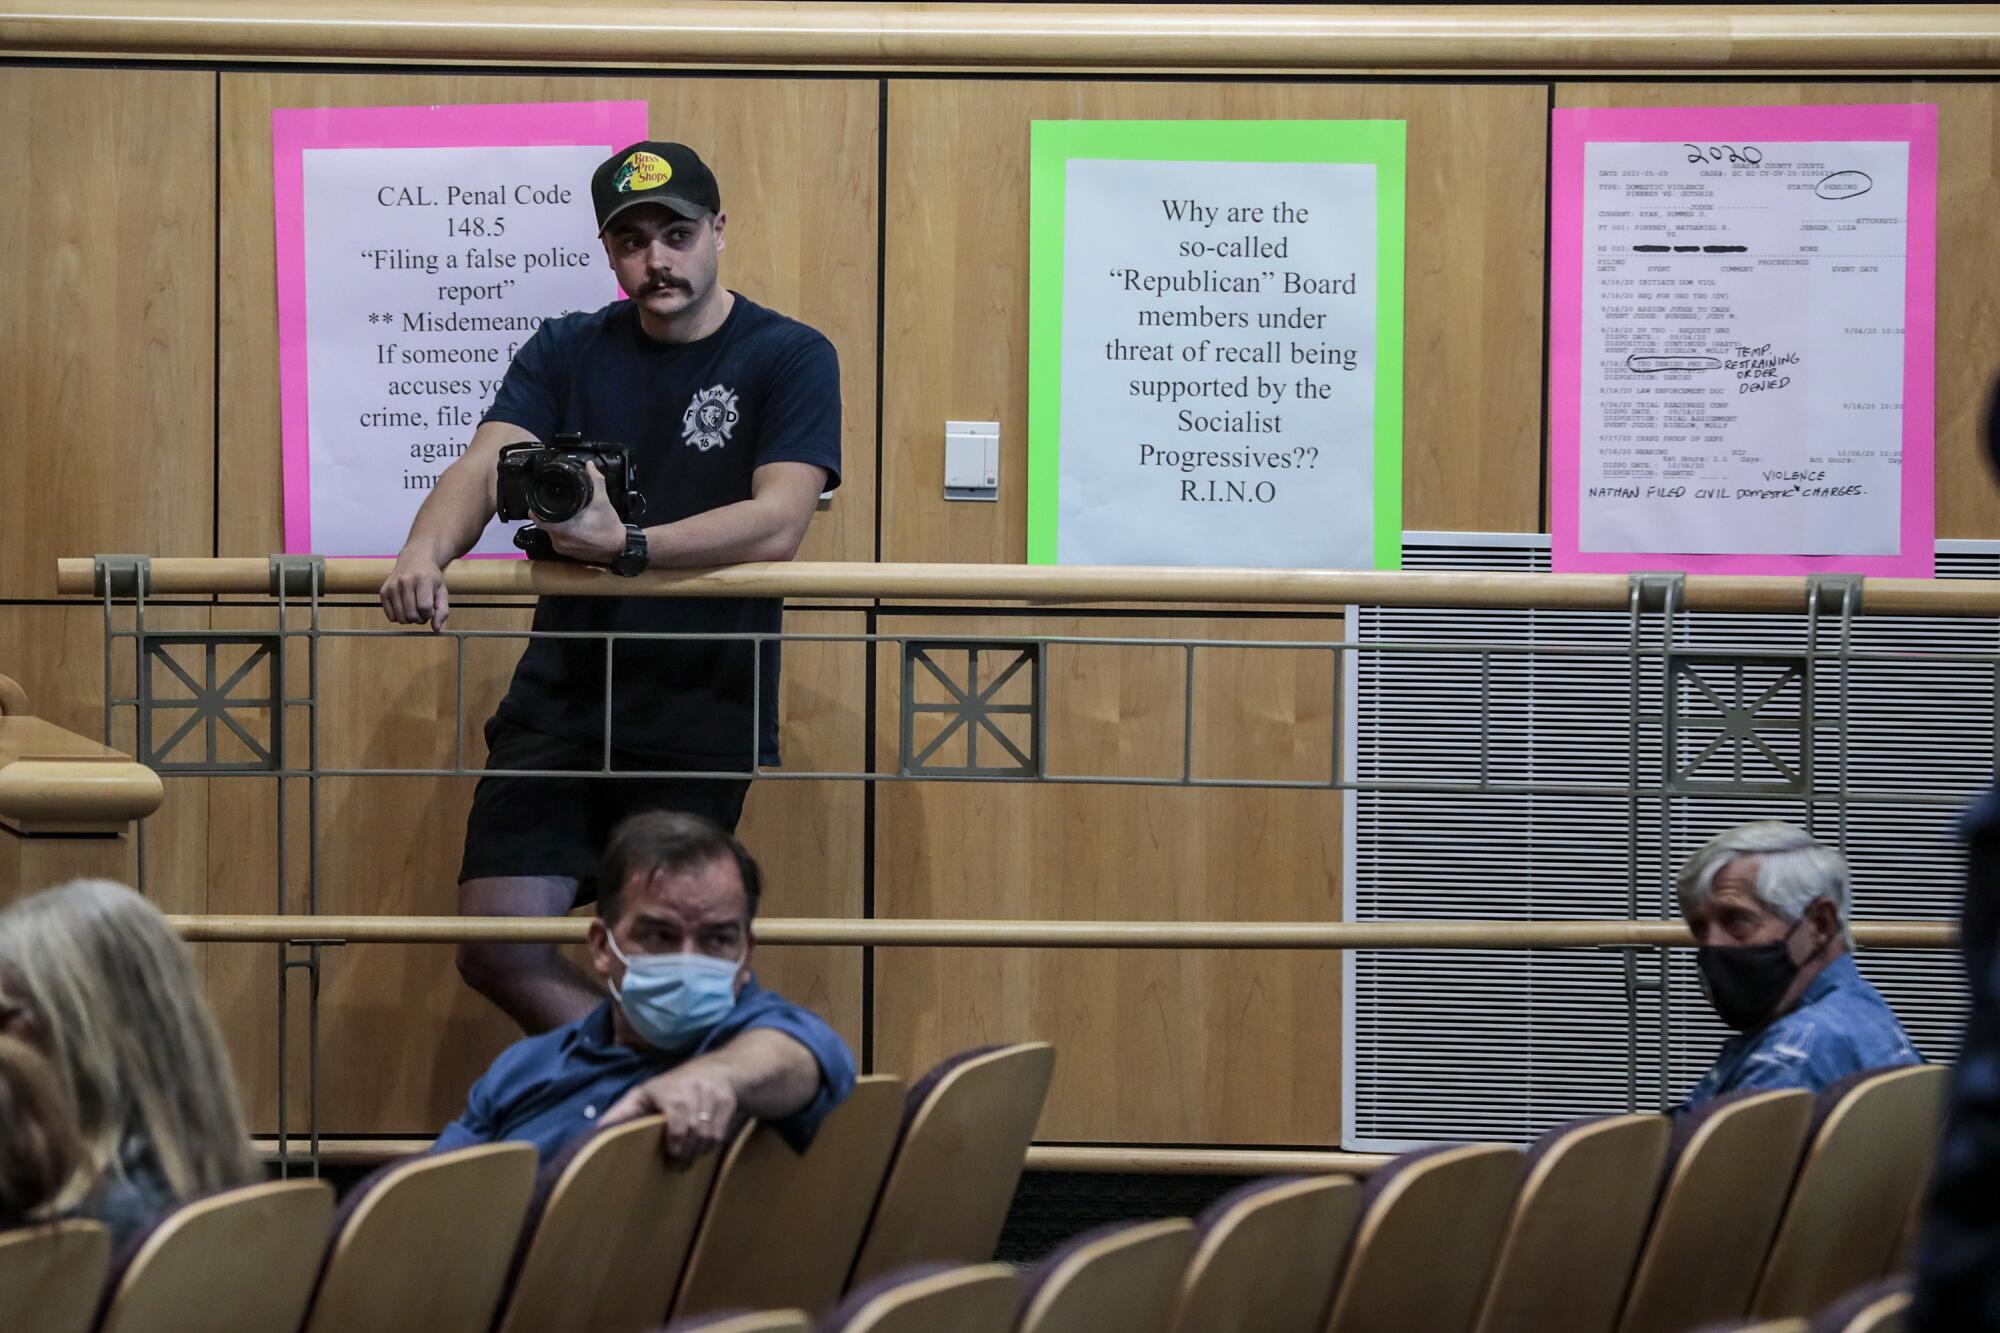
1430 1224
1266 1256
1878 1307
609 1229
1870 1156
56 1270
930 1298
243 1259
1119 1278
1729 1170
782 1229
744 1321
1903 1255
965 1134
1576 1226
423 1246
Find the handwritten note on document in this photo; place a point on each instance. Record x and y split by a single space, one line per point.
1741 319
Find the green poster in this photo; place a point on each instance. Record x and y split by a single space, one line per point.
1215 365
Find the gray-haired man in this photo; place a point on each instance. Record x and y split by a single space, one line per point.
1768 908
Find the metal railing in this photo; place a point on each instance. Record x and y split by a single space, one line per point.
1814 765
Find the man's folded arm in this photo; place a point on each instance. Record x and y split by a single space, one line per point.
785 1067
832 1072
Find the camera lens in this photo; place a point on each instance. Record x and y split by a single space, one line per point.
559 490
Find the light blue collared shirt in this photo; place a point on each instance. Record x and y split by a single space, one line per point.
546 1090
1841 1026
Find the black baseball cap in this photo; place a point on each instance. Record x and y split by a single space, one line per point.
651 172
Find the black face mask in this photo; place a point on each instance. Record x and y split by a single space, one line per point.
1744 982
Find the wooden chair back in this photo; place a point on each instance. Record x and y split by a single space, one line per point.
1727 1179
241 1260
972 1298
1122 1278
1903 1254
612 1236
1868 1161
52 1275
423 1247
1879 1307
966 1129
810 1209
1266 1257
753 1321
1430 1225
1574 1235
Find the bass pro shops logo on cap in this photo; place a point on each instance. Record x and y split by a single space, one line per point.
642 171
653 171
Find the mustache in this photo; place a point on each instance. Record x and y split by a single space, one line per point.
665 284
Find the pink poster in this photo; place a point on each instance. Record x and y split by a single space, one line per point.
1742 339
418 248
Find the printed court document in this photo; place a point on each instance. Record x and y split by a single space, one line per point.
1741 347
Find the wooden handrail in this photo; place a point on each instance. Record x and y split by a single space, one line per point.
1158 37
1204 1161
354 1152
967 934
55 781
251 575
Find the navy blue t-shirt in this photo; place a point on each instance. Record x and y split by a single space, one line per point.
701 417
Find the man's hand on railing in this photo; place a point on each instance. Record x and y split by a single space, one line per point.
415 592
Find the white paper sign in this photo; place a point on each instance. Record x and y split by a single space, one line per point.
1742 347
425 269
1218 375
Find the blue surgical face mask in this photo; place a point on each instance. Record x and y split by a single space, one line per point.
673 1000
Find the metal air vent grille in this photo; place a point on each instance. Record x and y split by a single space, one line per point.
1503 1044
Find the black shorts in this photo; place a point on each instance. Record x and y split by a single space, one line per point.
559 826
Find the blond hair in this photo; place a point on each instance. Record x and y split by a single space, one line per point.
115 993
44 1168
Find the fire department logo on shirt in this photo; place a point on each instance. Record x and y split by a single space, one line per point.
710 417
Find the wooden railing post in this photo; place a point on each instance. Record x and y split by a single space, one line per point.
67 804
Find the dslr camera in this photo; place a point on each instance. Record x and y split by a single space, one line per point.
549 483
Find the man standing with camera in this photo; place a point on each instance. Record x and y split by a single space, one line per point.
730 417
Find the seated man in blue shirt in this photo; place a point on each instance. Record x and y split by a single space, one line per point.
687 1032
1768 908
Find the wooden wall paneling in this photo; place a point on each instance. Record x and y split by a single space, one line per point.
1166 1046
808 835
796 160
31 864
1968 285
107 258
402 1037
956 288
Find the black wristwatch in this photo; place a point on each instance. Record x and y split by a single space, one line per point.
632 560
